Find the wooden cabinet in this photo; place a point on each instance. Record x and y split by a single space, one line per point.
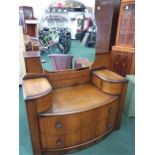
63 119
106 13
126 26
27 20
123 57
33 62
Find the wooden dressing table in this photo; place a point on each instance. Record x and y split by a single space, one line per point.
73 109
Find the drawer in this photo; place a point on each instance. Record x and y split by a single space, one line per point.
51 141
60 140
52 125
44 103
105 118
96 81
111 88
59 124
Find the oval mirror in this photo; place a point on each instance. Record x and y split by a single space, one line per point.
67 35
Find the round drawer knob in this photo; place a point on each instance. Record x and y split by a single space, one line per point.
109 125
59 142
58 125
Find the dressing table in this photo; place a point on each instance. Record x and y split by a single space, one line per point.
72 109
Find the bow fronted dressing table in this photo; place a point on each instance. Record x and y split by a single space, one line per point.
73 109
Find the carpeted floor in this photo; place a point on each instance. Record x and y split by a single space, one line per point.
120 142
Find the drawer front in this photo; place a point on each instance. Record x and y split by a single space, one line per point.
51 141
44 103
59 124
52 125
111 88
96 81
105 118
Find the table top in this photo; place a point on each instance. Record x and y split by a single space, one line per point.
77 98
35 88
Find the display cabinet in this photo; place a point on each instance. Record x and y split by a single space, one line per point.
123 52
126 26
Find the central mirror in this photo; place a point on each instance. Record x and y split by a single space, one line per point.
67 35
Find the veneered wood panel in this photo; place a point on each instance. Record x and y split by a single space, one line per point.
72 139
44 103
52 125
96 81
87 133
111 88
102 60
106 13
121 62
49 141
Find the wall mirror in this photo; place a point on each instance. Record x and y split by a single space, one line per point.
66 32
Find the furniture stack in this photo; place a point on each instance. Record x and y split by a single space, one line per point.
123 53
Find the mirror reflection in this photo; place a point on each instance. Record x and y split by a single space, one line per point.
67 35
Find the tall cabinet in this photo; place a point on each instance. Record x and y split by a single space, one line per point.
123 52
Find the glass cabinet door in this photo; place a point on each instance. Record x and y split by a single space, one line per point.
126 31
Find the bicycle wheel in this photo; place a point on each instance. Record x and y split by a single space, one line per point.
64 42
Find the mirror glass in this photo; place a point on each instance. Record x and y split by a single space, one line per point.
67 35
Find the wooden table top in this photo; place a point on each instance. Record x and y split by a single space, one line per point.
109 76
77 99
34 88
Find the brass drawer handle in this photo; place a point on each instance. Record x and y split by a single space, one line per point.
59 142
110 110
58 125
109 125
